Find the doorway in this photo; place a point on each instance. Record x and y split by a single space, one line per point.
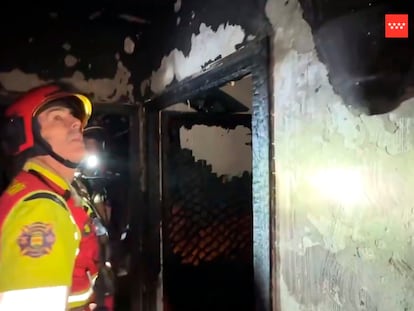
207 201
169 166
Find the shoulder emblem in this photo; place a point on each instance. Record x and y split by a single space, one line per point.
36 239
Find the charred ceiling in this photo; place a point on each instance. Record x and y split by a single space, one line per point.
57 39
177 27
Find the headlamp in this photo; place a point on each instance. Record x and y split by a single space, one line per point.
91 161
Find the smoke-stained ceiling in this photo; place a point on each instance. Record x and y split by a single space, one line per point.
92 24
82 41
81 10
54 40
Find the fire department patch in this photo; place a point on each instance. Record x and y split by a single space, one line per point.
36 239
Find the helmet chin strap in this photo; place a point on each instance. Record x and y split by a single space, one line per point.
43 148
58 158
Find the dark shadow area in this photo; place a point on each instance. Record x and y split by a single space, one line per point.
207 215
6 163
111 177
370 72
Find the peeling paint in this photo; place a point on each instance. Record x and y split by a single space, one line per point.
129 45
180 107
105 90
344 186
176 65
177 6
70 60
18 81
250 37
66 46
291 30
227 151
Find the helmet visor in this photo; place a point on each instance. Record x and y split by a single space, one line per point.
79 106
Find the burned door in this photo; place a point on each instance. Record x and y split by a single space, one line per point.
207 211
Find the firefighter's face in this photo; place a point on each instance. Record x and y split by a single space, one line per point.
62 131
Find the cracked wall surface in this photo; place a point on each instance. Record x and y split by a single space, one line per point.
344 186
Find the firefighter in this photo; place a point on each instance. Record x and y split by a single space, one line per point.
94 170
94 202
48 250
101 175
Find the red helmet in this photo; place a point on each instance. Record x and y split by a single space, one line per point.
20 114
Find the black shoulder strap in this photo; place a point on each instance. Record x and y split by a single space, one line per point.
46 195
66 195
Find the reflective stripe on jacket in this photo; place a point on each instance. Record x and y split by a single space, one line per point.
46 239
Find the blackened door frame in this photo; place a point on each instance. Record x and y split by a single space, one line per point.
254 59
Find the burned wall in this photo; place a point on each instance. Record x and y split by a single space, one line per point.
87 48
195 33
344 179
234 156
343 185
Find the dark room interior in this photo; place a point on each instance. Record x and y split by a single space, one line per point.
260 152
